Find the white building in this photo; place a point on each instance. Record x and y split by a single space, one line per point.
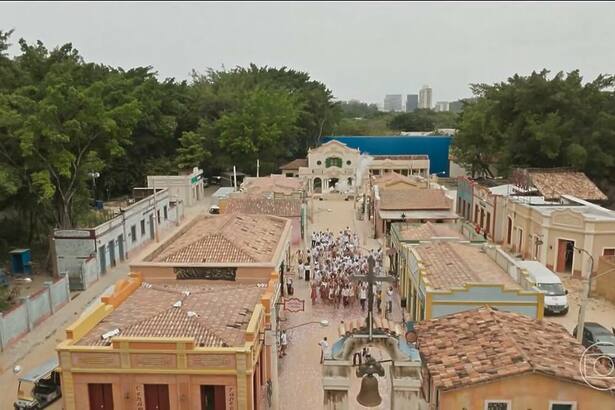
425 97
188 188
392 103
87 253
328 164
442 106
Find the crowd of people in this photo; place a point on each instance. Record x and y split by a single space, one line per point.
329 265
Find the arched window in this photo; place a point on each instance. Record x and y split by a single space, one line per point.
333 162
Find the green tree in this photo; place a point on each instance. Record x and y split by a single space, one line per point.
538 121
358 109
262 128
61 122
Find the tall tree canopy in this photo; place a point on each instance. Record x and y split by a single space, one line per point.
537 121
423 120
62 119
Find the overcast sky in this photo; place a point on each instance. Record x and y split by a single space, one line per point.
359 50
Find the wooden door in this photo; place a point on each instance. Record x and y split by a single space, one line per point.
100 396
509 232
213 397
157 397
561 255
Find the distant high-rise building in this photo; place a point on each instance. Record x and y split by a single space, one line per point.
442 106
392 102
412 102
456 106
425 97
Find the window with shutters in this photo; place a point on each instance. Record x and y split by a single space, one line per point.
333 162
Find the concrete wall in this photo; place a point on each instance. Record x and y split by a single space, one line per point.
527 391
473 297
564 224
74 248
180 187
605 284
33 310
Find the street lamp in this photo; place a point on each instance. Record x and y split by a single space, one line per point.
322 323
94 175
586 290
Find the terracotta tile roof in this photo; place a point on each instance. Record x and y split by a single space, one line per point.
389 178
427 231
482 345
149 312
272 183
296 164
453 264
233 238
552 183
414 199
285 207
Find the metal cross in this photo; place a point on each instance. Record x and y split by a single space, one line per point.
371 278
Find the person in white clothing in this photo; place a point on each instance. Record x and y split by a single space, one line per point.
324 348
301 270
283 343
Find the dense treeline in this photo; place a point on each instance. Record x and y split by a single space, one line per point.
537 121
423 120
62 118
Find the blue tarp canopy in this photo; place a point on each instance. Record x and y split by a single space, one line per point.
434 146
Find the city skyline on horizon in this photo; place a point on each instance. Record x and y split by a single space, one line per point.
482 42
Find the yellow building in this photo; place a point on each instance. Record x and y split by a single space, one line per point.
176 345
488 359
549 231
440 273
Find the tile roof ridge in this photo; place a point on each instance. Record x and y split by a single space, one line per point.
233 243
460 259
506 330
205 325
138 322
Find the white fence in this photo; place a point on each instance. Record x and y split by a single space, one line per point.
33 310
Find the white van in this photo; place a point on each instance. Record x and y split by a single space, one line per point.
550 284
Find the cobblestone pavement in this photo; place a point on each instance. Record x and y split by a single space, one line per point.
300 371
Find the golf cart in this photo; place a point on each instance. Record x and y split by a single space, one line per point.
214 209
39 388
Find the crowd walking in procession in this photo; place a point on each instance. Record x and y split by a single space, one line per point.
329 265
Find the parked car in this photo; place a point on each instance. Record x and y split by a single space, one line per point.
39 388
216 180
556 299
596 333
214 209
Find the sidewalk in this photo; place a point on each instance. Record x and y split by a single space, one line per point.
39 345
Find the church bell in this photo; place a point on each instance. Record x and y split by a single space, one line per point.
369 395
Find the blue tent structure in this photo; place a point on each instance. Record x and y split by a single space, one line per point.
435 146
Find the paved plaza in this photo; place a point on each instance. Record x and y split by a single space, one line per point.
300 371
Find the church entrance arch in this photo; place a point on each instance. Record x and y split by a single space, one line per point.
317 184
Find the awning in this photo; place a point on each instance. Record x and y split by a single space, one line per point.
412 215
41 371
